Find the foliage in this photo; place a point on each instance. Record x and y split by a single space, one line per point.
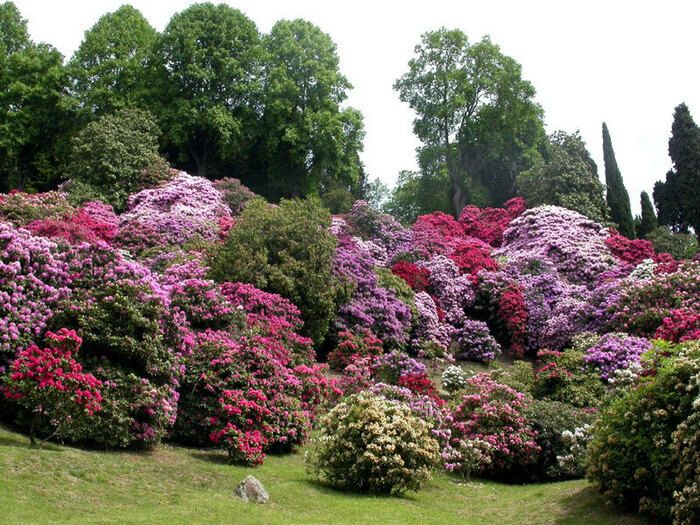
50 384
676 198
616 194
110 154
490 417
108 70
564 377
475 115
369 443
679 245
307 140
556 423
647 222
285 250
19 208
567 177
207 78
631 455
351 346
235 194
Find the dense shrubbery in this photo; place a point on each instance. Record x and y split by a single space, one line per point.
369 443
200 309
633 455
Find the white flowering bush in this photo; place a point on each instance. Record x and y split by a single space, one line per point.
574 461
454 378
369 443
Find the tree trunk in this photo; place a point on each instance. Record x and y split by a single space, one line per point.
200 160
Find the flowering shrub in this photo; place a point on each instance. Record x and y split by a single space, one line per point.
564 376
632 251
571 243
492 414
488 224
631 455
562 455
19 209
429 409
32 281
51 387
234 193
351 346
615 352
416 276
436 233
453 378
172 214
429 329
204 304
686 454
238 395
384 230
372 444
370 306
132 342
476 343
682 324
93 222
472 256
643 305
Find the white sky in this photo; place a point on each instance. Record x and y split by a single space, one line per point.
626 63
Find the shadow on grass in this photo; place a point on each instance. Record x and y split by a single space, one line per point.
588 505
326 488
210 456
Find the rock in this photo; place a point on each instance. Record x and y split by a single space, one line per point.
250 489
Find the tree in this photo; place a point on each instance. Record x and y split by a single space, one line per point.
108 71
617 197
208 84
474 109
13 30
418 193
111 155
287 250
34 117
308 141
677 198
567 176
647 222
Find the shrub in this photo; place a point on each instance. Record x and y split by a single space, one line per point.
132 342
285 250
614 352
51 388
564 376
556 424
416 276
679 245
32 281
632 455
20 208
476 343
369 443
682 324
488 224
453 378
643 305
351 346
686 454
93 222
235 194
111 154
520 376
487 431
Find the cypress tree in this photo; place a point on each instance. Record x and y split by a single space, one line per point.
648 222
684 149
617 196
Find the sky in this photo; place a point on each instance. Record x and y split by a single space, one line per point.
624 63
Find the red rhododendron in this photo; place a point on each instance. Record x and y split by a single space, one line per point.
416 276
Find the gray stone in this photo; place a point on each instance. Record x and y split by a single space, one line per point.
250 489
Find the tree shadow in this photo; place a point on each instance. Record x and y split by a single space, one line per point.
326 488
211 456
588 505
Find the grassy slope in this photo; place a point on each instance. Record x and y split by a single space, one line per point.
178 485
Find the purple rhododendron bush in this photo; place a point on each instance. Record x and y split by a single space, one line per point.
205 315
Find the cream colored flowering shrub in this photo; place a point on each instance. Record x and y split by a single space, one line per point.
368 443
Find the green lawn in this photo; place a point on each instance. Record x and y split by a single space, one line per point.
171 485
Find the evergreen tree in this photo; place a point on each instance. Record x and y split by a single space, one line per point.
647 222
677 198
617 197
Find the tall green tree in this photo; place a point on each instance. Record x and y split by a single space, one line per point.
34 108
568 177
677 198
108 71
616 194
207 65
647 221
474 108
308 141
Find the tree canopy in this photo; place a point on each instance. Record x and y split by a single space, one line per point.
567 176
475 112
108 71
616 194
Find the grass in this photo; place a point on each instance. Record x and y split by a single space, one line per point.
57 484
